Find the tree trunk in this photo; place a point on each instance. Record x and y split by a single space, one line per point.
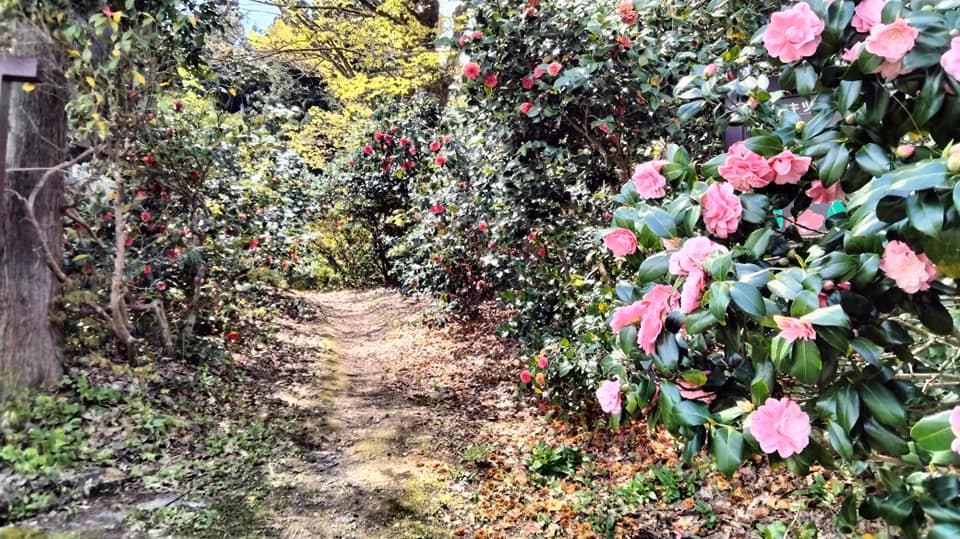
30 338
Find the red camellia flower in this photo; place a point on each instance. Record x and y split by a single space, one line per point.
440 160
624 42
435 146
169 131
367 149
195 175
482 226
490 81
541 252
128 241
525 107
177 105
437 209
164 196
526 82
284 264
233 336
532 236
471 70
148 160
161 286
147 270
253 244
183 232
145 216
378 136
403 141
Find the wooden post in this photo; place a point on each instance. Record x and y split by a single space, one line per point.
12 69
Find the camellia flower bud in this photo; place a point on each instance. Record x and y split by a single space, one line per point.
905 151
953 162
710 70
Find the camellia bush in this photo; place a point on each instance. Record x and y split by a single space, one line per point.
796 295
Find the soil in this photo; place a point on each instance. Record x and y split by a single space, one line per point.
377 414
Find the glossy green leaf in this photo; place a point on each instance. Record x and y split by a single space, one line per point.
883 404
807 363
933 432
748 299
727 449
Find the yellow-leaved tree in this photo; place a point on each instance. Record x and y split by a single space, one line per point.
365 51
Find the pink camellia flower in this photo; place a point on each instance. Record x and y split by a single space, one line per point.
537 72
891 70
378 136
853 53
554 68
710 70
692 254
527 83
659 301
648 180
447 139
463 39
440 160
627 12
950 61
412 150
793 33
810 222
891 41
477 34
627 315
435 146
745 169
788 168
367 149
471 70
825 195
161 286
621 241
542 362
867 14
688 261
780 425
525 376
911 271
608 394
482 226
147 269
403 141
624 42
792 329
145 216
692 290
721 209
437 209
490 81
525 107
955 427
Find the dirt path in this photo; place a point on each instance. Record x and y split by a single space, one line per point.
362 473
